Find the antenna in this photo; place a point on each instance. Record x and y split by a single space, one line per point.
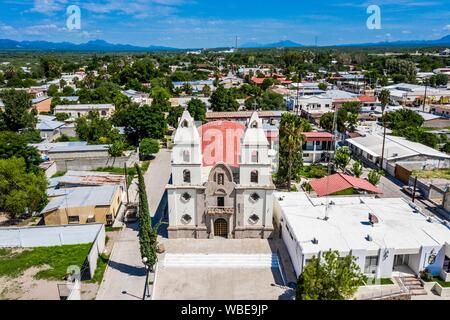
236 42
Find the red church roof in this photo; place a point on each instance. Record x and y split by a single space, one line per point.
340 182
221 142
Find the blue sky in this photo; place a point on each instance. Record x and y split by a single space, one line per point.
213 23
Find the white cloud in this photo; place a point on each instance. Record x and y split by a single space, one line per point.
447 27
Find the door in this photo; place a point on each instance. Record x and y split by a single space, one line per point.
221 228
401 260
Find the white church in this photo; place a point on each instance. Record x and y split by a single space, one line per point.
221 181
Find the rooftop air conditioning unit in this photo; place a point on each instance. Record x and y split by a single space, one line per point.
315 241
369 238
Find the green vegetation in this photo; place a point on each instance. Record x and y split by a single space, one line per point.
148 233
315 171
432 174
347 192
342 158
149 147
21 191
58 174
374 176
58 259
102 263
291 141
382 282
330 278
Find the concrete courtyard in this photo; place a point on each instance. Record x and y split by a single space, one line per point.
203 282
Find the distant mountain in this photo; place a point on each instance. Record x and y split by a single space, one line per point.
408 43
280 44
103 46
95 45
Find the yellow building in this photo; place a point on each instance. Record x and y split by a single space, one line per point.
83 205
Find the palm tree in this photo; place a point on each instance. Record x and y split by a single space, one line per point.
291 141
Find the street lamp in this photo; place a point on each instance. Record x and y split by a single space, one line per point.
148 270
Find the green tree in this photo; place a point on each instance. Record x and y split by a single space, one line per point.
62 116
326 121
21 190
357 169
323 86
16 145
374 176
18 112
53 90
148 234
222 100
161 99
117 148
291 142
93 128
174 116
144 122
384 97
330 278
149 147
206 91
342 158
51 67
197 109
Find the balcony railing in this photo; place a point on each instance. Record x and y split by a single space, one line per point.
220 210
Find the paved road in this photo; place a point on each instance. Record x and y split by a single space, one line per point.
125 275
392 188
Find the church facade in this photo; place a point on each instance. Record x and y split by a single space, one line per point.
221 181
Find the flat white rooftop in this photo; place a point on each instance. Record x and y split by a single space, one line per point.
400 227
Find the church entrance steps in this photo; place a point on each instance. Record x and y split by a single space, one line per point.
221 260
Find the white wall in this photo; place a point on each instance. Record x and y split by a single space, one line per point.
48 236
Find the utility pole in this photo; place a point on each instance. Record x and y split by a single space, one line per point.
425 97
126 183
414 190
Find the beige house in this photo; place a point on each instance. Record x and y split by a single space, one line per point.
76 111
83 205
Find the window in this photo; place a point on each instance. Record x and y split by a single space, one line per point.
371 265
255 156
254 218
221 202
74 219
255 197
103 113
184 124
254 177
254 124
186 156
186 219
186 176
186 196
221 179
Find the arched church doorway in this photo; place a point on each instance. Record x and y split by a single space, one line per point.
221 228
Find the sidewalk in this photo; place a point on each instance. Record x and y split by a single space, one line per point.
125 275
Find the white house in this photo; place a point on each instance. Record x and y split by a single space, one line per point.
388 237
76 111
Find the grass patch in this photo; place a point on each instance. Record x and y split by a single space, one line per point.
433 174
57 258
314 171
374 282
145 165
59 174
438 280
347 192
102 263
111 229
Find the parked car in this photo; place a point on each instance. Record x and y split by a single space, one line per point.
410 191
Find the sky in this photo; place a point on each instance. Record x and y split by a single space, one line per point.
217 23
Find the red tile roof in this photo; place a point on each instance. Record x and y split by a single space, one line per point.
318 136
370 99
221 142
340 182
